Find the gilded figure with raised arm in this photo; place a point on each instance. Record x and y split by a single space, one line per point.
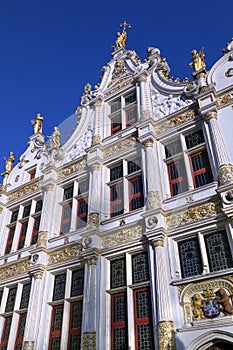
121 37
198 61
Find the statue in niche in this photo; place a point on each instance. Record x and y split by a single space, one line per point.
224 300
37 123
9 163
55 138
198 62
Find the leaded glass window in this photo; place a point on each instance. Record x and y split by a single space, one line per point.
11 299
7 328
173 148
218 251
133 166
55 344
75 325
116 172
26 211
194 139
25 296
83 186
59 287
119 339
140 267
68 192
58 316
145 337
118 273
131 98
77 282
39 205
1 294
14 215
119 308
190 257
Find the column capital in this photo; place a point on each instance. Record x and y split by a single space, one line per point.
211 115
158 242
95 167
98 103
148 143
92 260
142 78
38 275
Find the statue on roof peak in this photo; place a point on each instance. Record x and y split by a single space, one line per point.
121 37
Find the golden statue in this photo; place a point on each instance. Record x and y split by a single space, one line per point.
198 61
55 138
9 163
37 123
121 37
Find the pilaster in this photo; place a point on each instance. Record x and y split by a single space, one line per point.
146 107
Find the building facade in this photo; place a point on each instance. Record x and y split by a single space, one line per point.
121 237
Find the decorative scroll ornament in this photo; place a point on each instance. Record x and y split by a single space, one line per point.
175 121
29 345
93 220
123 236
121 146
23 191
89 341
164 106
153 200
151 222
224 99
42 239
64 254
79 148
166 335
74 167
14 269
225 173
192 215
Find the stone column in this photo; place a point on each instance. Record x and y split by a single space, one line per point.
225 168
152 174
96 137
145 97
45 222
34 310
90 311
166 333
94 197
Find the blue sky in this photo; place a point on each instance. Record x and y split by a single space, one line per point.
51 48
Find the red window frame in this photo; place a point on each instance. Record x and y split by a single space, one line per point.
201 170
117 201
134 195
55 334
4 343
32 175
10 239
131 120
139 321
81 215
117 119
23 234
121 324
73 331
19 340
179 179
66 220
34 231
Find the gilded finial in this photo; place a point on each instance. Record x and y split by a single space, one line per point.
121 37
37 123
